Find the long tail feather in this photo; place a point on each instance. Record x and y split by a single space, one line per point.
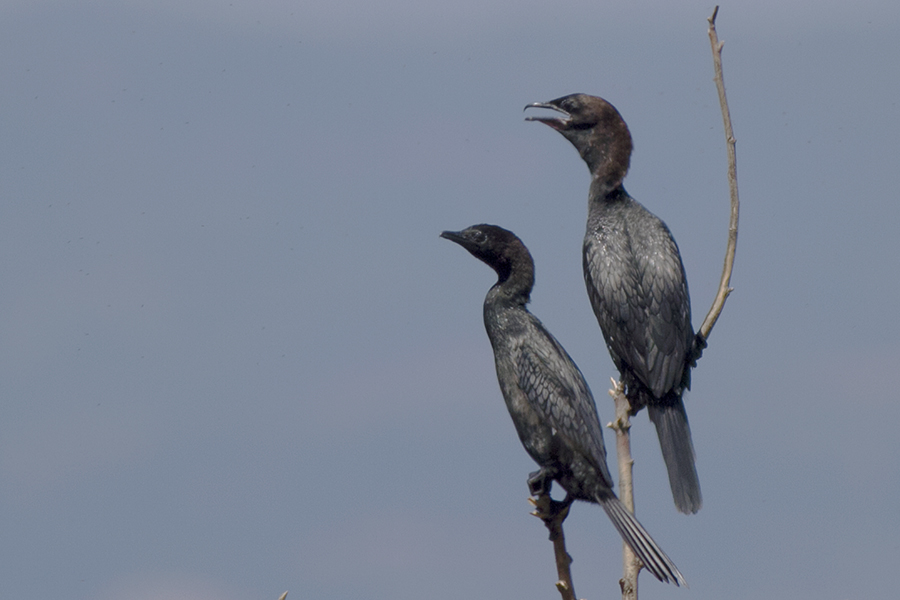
634 534
678 452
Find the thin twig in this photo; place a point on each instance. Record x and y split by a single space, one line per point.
622 425
553 513
725 284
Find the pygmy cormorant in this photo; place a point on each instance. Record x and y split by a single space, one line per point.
547 396
636 283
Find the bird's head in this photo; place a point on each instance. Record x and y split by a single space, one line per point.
497 247
597 131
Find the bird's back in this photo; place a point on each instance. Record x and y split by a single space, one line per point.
549 400
638 290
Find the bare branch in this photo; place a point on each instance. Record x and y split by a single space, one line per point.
725 283
622 427
553 513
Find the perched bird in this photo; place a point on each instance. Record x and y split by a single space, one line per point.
636 283
547 396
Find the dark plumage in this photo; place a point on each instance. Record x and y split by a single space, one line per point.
636 284
547 396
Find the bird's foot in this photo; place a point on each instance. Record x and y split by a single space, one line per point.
540 482
551 512
697 350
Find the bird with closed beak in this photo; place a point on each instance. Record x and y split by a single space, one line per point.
548 399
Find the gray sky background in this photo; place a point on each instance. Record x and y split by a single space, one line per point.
237 359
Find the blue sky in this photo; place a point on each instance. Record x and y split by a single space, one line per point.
236 358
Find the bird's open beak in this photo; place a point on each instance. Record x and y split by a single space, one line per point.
554 122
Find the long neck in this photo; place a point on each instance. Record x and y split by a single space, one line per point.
516 280
603 191
606 149
608 156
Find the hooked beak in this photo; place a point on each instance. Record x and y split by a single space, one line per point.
453 236
556 123
462 240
